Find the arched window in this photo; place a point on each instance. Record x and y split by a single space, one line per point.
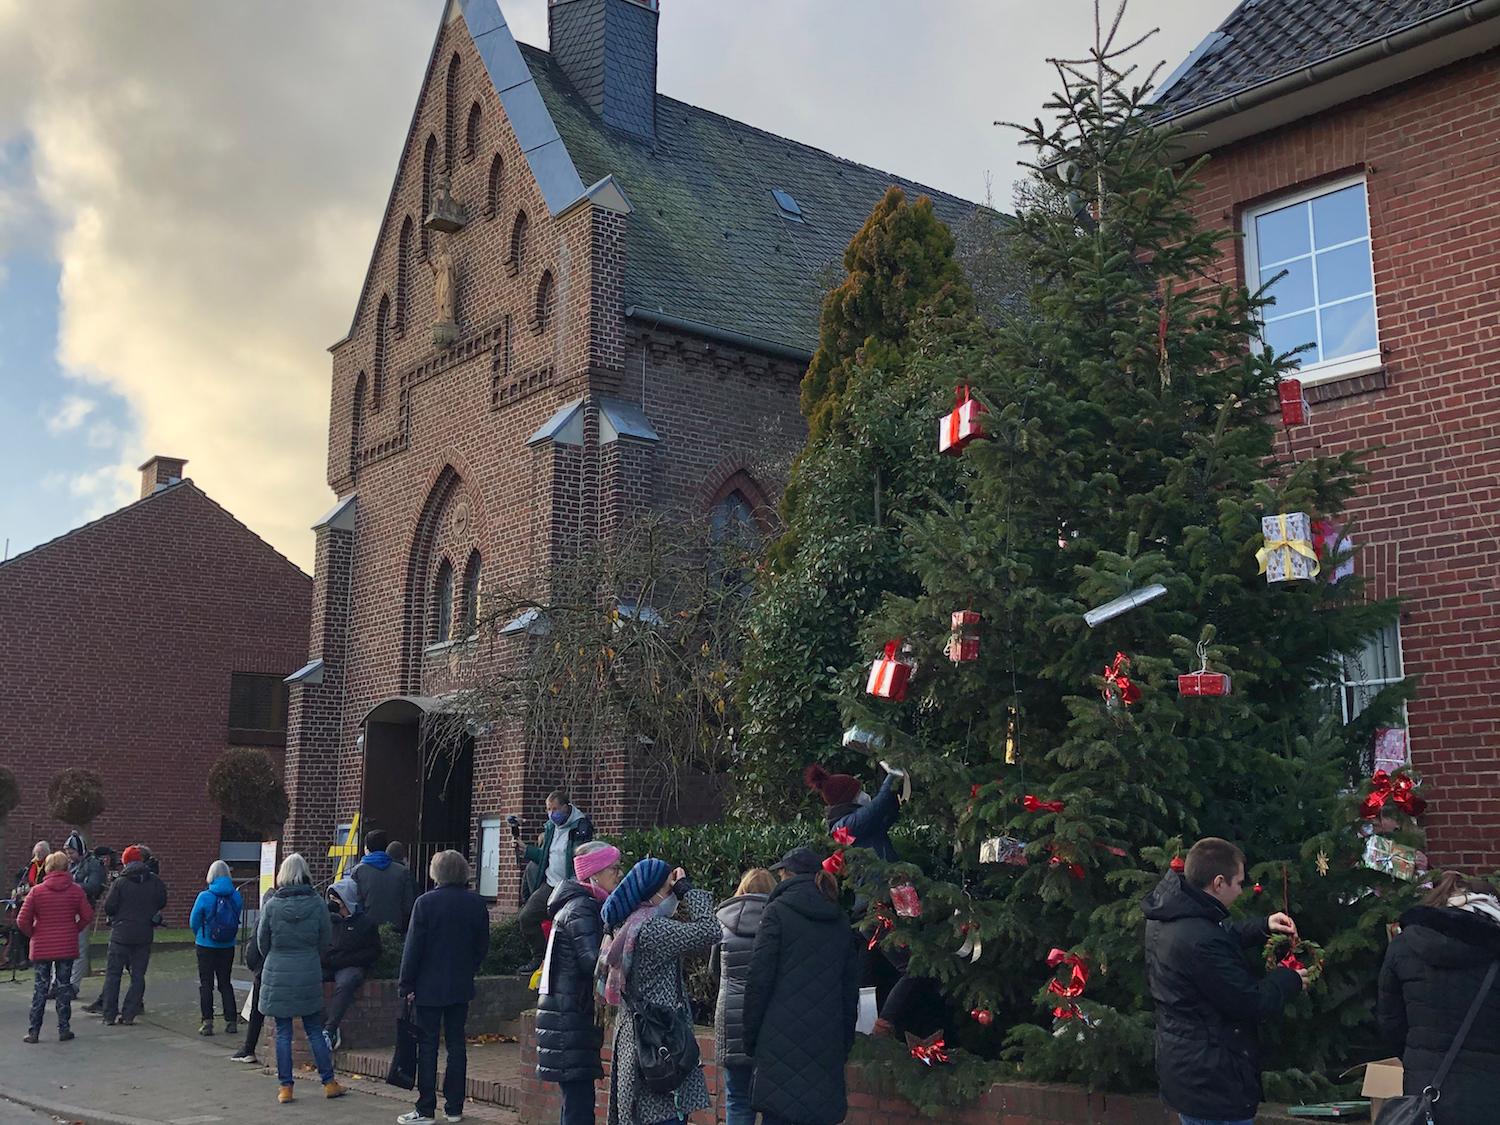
357 428
429 170
442 607
382 331
731 518
546 298
471 132
517 260
471 595
450 114
403 275
497 177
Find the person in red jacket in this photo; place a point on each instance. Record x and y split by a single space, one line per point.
53 915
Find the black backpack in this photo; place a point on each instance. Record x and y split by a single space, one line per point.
666 1049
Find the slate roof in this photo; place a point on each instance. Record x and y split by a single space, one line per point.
1265 39
706 241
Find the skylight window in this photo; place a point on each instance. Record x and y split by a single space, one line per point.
789 207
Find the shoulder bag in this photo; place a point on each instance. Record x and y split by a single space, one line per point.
1416 1109
666 1050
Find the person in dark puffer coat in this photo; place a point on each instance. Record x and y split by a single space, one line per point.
1432 971
802 997
1208 1003
134 900
567 1037
739 918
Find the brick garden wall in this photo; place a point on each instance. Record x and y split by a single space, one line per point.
1430 152
120 640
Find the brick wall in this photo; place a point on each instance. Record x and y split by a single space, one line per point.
442 469
120 640
1426 523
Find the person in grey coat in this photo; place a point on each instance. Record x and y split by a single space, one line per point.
739 918
386 888
644 964
293 932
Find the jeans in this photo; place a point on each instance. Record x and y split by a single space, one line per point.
124 957
450 1020
312 1026
346 984
256 1021
577 1102
1186 1120
737 1082
46 973
530 918
80 963
214 966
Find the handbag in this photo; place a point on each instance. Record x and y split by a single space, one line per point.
1416 1109
403 1069
666 1050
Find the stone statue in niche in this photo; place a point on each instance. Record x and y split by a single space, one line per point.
444 285
447 213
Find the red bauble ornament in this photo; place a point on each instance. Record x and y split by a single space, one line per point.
1178 863
1257 888
983 1016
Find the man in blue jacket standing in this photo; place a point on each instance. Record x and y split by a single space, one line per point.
445 945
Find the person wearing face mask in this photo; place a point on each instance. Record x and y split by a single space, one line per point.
644 966
567 1036
567 827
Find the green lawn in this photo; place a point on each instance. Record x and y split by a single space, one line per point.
101 935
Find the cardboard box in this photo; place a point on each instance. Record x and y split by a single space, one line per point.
1382 1081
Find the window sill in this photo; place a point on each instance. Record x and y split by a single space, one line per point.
1337 371
440 647
1345 384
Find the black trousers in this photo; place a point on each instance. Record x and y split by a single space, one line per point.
214 966
256 1022
450 1020
531 916
133 958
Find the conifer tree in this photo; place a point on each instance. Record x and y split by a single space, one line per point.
1131 443
868 460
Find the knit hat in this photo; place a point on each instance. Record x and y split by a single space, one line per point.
642 881
590 863
132 854
834 788
75 841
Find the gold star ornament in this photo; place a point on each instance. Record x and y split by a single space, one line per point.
1322 862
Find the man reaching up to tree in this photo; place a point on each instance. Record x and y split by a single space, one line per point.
1208 1003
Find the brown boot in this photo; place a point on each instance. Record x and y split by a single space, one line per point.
285 1095
333 1090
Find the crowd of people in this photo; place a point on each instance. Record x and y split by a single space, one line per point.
789 959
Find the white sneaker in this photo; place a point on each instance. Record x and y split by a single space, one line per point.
452 1116
415 1118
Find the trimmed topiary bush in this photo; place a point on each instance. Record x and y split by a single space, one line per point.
75 796
245 785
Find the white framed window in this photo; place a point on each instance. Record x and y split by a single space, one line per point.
1319 240
489 857
1376 664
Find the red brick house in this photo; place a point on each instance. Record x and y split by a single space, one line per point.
1357 147
585 299
141 646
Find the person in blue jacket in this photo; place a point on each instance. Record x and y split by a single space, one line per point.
846 805
215 922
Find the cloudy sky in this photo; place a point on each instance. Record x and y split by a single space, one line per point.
189 190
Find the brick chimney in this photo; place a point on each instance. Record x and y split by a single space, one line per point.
159 472
607 49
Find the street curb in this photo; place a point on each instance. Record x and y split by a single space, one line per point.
71 1112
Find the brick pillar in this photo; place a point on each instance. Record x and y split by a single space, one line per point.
315 720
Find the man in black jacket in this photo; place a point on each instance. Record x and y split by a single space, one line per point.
135 900
354 949
1208 1003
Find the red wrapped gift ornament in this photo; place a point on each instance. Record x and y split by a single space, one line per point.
904 898
1294 408
889 675
962 424
1328 538
963 638
1203 682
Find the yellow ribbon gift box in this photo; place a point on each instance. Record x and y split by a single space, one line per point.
1288 554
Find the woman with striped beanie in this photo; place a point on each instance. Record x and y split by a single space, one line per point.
644 961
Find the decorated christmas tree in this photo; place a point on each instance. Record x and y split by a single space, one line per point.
1112 652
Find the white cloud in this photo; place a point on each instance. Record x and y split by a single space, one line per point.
70 414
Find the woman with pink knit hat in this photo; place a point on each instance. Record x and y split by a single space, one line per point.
567 1038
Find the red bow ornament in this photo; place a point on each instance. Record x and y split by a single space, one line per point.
1032 804
1118 687
1074 869
1398 788
1078 979
883 926
834 864
843 836
930 1051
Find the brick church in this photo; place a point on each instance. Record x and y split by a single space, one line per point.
585 298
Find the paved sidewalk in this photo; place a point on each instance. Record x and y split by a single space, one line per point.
160 1071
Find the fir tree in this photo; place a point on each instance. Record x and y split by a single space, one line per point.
868 460
1131 444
